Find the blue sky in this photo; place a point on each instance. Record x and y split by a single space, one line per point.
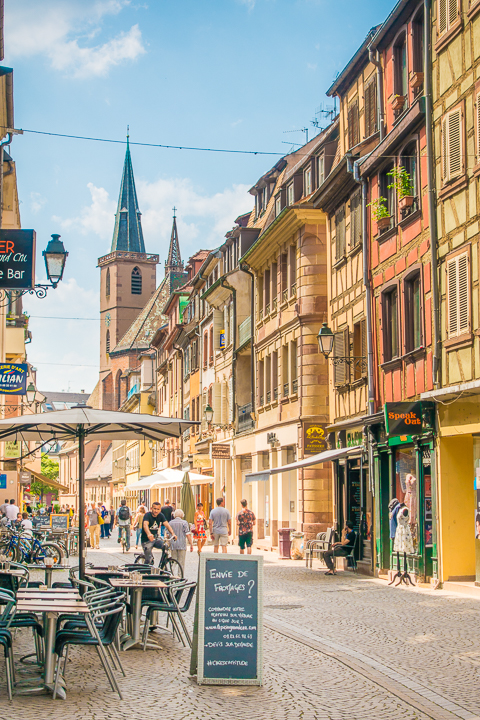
237 74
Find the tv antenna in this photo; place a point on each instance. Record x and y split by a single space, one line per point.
304 130
325 112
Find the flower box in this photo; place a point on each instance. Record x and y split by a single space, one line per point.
406 201
383 223
398 102
416 80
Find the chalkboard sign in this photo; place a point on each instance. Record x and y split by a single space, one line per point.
59 522
227 648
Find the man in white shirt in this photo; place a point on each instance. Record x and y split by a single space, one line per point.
3 506
27 525
12 511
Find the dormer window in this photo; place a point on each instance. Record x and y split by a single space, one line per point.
307 181
320 170
278 205
290 194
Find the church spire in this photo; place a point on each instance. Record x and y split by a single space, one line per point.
174 261
128 234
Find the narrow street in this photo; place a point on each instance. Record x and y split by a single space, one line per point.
334 647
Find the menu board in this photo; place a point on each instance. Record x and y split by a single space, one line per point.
354 499
59 522
227 647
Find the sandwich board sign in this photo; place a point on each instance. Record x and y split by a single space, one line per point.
228 629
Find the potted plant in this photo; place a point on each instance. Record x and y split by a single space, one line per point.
416 80
402 183
397 102
380 213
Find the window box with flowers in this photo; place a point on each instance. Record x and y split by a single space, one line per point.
402 183
397 102
416 80
380 213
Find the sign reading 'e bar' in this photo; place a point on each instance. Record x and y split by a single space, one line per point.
17 259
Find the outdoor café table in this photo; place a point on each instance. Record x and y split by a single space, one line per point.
51 603
136 589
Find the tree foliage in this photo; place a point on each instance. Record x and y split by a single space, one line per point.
50 468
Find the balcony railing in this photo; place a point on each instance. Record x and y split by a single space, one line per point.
269 397
275 393
133 390
286 390
267 309
260 314
274 304
245 421
260 401
284 295
294 290
244 332
295 386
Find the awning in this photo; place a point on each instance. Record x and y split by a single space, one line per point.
169 478
326 456
46 481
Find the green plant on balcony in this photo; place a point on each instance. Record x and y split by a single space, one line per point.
402 181
380 212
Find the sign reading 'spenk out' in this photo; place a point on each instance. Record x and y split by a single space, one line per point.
13 379
403 418
228 632
17 259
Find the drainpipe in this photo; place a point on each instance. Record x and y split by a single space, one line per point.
374 57
244 268
432 215
234 349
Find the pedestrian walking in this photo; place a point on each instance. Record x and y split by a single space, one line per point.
245 523
107 519
94 527
181 528
152 521
200 527
167 512
220 525
123 519
138 523
101 512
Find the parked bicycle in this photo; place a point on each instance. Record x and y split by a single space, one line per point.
23 548
166 562
124 539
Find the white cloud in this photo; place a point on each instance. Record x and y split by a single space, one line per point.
202 219
63 350
63 32
37 201
98 217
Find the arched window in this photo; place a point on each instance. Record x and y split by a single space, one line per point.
107 342
136 281
107 283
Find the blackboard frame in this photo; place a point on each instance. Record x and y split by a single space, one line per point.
199 641
53 515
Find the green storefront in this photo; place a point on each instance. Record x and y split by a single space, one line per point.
402 450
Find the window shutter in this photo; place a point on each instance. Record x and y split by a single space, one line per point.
217 403
371 108
452 12
353 128
454 144
204 405
463 295
355 219
458 295
231 409
341 350
217 328
224 416
477 128
232 327
364 347
340 232
444 149
442 16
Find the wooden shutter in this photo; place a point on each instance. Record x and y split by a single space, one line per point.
353 128
452 12
452 144
340 232
231 409
341 349
224 415
364 347
371 108
442 16
355 219
458 295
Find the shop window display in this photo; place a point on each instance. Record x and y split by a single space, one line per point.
406 488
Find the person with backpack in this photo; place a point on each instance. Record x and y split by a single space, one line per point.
123 519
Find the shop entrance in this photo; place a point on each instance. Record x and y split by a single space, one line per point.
355 503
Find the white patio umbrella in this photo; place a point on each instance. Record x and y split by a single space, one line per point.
81 422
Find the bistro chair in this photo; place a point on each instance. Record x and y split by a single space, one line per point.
172 607
351 557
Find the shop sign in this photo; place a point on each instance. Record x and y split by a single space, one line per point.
222 339
403 418
354 438
17 259
25 477
314 438
13 379
3 482
221 452
13 449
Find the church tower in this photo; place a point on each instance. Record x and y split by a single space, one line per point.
127 276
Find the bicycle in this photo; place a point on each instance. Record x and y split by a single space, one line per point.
166 562
123 537
23 548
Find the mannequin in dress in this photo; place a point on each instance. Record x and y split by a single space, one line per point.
410 498
403 537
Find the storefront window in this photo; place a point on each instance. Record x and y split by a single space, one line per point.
406 487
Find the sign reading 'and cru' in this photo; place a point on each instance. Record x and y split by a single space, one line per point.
227 648
17 259
13 379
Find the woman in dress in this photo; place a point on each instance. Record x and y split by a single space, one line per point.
138 523
200 531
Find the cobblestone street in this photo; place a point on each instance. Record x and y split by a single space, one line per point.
335 647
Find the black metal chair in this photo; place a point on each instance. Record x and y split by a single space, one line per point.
172 607
351 557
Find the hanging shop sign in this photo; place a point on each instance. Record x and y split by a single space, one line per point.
13 379
25 477
314 438
222 339
221 452
408 418
17 259
13 449
228 627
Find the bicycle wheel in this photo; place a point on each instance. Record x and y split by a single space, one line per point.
10 551
48 549
174 567
140 560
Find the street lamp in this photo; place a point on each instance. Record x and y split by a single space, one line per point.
325 340
209 414
34 395
55 258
